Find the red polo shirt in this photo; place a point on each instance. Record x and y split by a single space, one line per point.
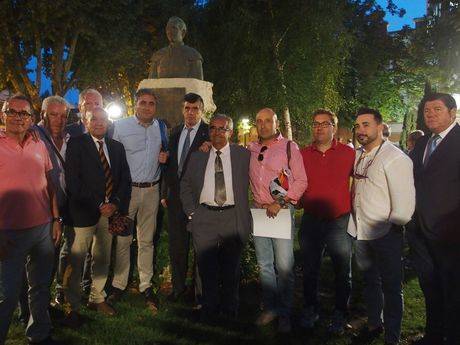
328 174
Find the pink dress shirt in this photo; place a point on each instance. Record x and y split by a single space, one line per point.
24 199
261 173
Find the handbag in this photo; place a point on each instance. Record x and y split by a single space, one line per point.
120 225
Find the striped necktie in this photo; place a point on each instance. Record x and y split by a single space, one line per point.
431 146
107 172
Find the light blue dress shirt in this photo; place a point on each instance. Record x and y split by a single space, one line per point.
142 146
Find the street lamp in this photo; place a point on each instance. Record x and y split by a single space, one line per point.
114 110
246 127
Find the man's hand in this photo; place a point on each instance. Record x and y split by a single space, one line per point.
205 147
164 203
107 210
163 157
5 244
273 209
56 232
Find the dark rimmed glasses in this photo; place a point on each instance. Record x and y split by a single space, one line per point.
260 158
13 113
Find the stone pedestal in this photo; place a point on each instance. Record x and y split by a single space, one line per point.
171 92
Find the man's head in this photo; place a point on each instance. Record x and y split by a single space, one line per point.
324 126
412 139
193 109
87 101
368 127
175 30
267 124
54 114
97 122
220 130
439 110
17 114
386 131
146 103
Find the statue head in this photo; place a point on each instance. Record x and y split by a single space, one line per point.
175 30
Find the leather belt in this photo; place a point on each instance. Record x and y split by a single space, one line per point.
144 184
218 208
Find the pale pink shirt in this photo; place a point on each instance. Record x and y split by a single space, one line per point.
261 173
24 199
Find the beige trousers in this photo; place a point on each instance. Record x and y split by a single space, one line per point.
143 206
98 238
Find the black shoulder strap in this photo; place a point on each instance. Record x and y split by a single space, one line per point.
56 151
288 152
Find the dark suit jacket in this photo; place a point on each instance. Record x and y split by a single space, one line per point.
192 184
172 181
75 129
438 188
85 179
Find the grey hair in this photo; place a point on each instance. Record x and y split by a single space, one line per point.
18 96
83 94
179 21
223 117
55 100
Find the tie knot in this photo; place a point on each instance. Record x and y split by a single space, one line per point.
189 129
218 152
101 144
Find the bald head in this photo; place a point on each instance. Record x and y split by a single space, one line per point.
267 124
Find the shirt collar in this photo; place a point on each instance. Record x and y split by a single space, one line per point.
142 124
446 131
96 141
277 138
333 146
195 128
224 149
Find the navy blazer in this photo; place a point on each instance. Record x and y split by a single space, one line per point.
85 179
438 188
171 178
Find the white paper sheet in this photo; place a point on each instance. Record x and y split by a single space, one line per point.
278 227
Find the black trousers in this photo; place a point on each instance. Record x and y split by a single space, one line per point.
438 268
218 248
179 247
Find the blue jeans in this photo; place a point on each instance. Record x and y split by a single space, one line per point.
315 235
31 249
277 286
381 263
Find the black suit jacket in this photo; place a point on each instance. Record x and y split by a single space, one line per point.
75 129
171 179
193 180
85 179
438 188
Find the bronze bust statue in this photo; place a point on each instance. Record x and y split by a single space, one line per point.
176 60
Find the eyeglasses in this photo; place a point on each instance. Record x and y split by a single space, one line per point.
260 158
13 113
363 174
324 124
219 129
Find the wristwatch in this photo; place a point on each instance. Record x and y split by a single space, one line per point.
58 219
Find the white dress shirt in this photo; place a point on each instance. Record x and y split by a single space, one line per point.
386 196
442 135
182 137
104 147
207 193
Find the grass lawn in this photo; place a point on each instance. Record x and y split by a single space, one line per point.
176 323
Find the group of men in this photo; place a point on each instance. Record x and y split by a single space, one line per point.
74 180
